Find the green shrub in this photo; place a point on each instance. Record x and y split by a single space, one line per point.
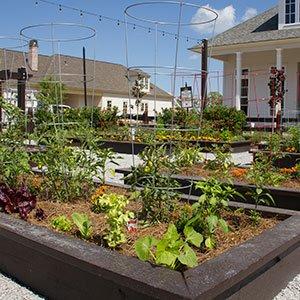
225 118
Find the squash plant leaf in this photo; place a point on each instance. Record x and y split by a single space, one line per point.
188 257
192 236
143 247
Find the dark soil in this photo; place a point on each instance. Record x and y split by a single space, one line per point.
240 224
238 175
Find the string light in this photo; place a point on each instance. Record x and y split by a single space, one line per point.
101 18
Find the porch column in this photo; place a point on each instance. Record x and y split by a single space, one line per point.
238 80
279 58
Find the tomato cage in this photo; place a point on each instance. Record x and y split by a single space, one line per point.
62 68
182 84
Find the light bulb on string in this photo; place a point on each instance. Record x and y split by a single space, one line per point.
134 27
81 13
149 30
36 3
59 7
118 23
100 18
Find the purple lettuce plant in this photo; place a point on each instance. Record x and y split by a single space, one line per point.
17 201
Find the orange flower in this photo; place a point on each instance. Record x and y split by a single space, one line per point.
239 172
99 192
289 171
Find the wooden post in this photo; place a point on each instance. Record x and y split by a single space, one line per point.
1 95
22 77
84 77
204 75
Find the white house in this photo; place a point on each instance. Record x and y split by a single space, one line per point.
107 83
250 49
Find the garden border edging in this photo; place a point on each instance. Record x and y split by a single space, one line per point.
63 267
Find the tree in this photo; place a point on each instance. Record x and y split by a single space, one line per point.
51 91
137 91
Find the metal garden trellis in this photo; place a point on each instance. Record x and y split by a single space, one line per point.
55 37
173 70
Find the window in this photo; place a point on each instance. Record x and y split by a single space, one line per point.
146 107
290 11
109 104
142 106
245 91
125 107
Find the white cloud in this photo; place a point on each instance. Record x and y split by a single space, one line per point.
226 20
194 56
249 13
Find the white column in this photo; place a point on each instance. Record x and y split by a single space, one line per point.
279 58
238 84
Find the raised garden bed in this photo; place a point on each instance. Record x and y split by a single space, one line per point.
61 267
288 160
207 146
285 198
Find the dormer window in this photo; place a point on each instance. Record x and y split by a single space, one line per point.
289 14
290 11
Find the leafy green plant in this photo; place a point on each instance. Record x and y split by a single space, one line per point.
113 206
158 198
171 251
187 156
83 224
222 161
158 192
260 197
14 164
62 223
206 213
70 171
293 140
262 171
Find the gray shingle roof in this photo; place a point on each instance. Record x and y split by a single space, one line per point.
109 77
263 27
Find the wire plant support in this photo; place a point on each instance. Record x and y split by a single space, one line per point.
156 70
58 35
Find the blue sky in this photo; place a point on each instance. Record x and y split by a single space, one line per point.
110 42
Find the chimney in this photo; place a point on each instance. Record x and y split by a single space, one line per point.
33 56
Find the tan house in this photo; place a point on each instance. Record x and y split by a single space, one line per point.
250 49
107 83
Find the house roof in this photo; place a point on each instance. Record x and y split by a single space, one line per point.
263 27
109 77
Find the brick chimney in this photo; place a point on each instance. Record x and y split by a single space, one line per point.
33 55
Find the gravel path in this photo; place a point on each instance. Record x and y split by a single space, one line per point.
9 290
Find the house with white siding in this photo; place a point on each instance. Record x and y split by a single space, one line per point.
250 49
107 83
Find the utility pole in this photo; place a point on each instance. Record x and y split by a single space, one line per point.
84 77
204 73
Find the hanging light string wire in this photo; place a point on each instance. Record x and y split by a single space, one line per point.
101 17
